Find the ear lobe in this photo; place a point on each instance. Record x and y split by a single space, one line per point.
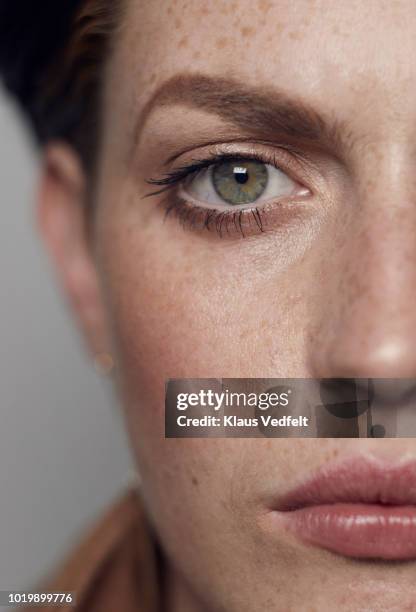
62 219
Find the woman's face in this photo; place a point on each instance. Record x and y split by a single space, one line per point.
316 279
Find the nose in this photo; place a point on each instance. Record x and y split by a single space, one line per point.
365 319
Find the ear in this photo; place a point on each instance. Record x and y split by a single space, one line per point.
62 218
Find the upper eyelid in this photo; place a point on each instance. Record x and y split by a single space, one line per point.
245 147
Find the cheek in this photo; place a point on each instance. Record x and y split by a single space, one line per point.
178 310
181 308
184 306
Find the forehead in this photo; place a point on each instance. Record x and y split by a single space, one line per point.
331 53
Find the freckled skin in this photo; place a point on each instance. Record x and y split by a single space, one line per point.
316 302
221 43
183 42
246 31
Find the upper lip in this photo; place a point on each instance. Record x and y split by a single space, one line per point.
358 480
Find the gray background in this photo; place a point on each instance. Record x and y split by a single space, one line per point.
63 452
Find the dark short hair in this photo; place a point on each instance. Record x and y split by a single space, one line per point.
52 54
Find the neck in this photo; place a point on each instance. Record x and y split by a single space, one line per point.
179 597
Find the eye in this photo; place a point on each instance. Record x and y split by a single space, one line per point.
239 182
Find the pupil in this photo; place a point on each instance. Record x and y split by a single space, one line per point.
241 175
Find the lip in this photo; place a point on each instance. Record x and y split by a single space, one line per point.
360 508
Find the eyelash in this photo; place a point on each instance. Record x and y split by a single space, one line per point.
198 217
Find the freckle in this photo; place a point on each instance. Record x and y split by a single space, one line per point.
265 5
178 23
204 10
247 31
196 55
183 42
194 481
169 10
221 43
295 35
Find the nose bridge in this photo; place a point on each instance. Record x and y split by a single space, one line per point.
366 321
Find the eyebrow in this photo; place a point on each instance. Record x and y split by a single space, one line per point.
258 109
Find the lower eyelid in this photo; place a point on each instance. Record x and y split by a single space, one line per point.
243 223
230 222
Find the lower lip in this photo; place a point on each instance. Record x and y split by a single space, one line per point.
366 531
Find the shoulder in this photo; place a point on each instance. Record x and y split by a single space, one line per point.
114 567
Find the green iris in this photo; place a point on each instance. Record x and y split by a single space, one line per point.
240 182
